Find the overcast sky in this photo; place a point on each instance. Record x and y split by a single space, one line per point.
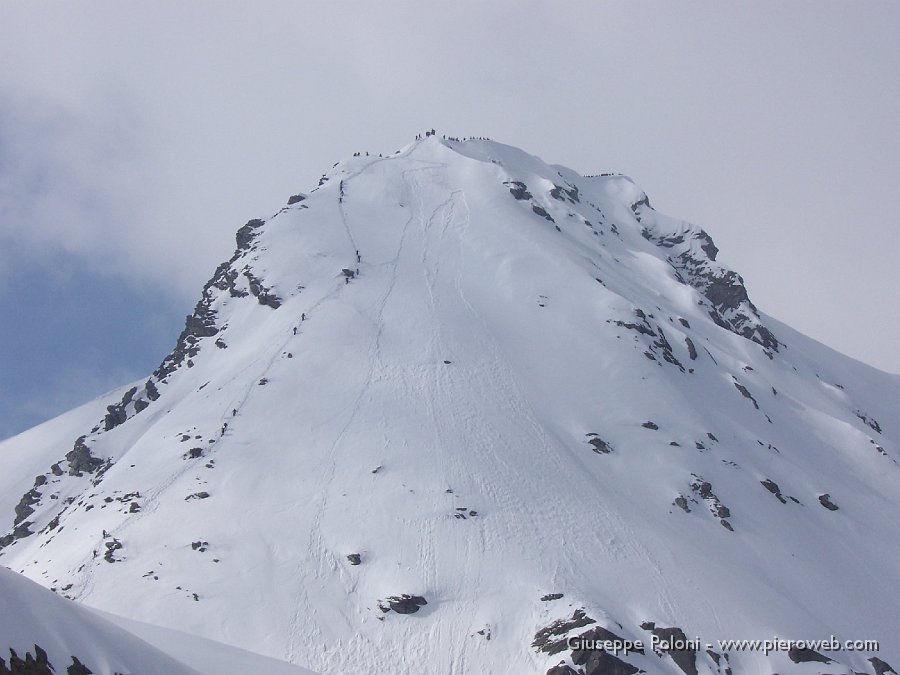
135 138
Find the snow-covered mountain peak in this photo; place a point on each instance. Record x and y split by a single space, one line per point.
454 405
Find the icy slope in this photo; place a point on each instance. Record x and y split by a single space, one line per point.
463 375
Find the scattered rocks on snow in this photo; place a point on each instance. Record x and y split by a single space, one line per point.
658 347
870 422
199 546
354 558
463 512
650 425
198 495
551 596
704 490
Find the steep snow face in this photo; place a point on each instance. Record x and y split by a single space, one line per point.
455 405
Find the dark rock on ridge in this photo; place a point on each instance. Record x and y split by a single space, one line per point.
81 460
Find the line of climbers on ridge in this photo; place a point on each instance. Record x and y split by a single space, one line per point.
419 137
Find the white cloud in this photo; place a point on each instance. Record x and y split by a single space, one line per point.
142 137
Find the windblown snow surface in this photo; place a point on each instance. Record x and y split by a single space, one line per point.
455 405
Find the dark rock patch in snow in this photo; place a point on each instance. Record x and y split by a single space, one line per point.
37 664
745 393
81 460
402 604
806 655
24 508
599 662
705 491
600 446
354 558
692 351
542 213
551 639
675 643
870 422
262 293
881 667
246 234
772 487
111 548
519 190
825 500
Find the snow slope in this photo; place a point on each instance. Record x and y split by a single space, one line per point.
53 632
462 374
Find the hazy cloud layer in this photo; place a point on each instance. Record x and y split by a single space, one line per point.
138 138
